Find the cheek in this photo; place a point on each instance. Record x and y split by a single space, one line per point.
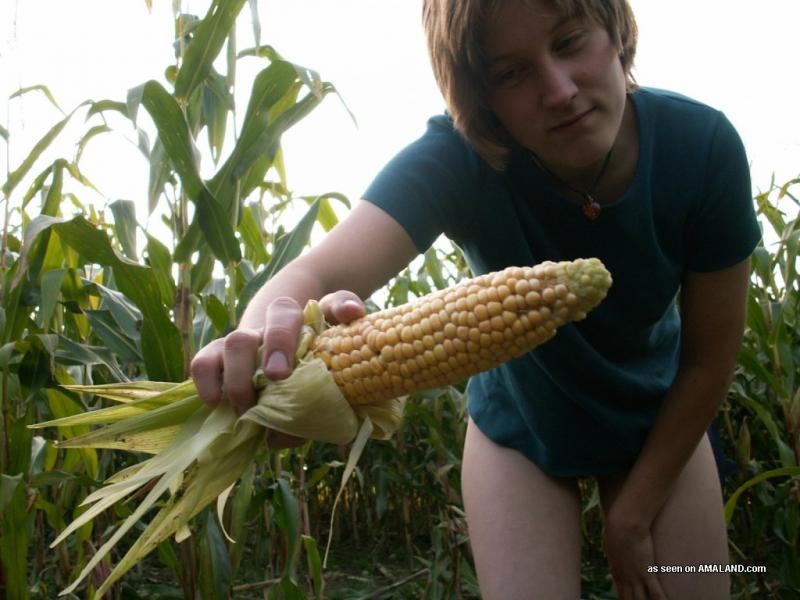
512 108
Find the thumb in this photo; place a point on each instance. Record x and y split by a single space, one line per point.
342 307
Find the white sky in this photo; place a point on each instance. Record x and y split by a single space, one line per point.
737 55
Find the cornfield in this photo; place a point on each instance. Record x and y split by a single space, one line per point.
89 298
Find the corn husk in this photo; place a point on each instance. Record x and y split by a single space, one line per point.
199 452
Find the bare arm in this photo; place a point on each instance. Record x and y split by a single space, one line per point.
359 255
713 313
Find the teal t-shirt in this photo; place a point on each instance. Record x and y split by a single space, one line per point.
583 403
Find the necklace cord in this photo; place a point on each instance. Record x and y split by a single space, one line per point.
591 208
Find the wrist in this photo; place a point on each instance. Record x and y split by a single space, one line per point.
629 516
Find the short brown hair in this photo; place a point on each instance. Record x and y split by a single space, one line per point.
455 29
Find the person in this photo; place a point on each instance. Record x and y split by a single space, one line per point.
550 151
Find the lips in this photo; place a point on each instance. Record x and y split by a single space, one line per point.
573 120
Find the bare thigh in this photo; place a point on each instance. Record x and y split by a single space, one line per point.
690 529
524 525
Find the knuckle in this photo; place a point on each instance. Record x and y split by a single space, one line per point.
240 338
284 304
198 371
203 367
281 334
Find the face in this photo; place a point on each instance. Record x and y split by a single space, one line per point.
557 85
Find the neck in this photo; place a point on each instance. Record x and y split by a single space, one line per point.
581 181
586 179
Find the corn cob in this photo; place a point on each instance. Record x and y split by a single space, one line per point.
447 336
345 374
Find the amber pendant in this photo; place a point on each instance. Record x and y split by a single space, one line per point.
591 209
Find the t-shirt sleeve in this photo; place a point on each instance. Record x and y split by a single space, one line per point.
422 186
724 229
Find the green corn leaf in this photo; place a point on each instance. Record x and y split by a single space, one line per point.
8 486
202 270
127 316
206 44
106 328
286 589
15 319
160 340
314 566
327 217
101 106
92 133
217 312
78 176
125 225
44 142
160 174
287 249
785 453
38 88
215 565
307 77
252 237
160 260
16 521
230 59
174 134
270 86
50 290
730 505
61 405
37 252
37 184
217 103
433 267
4 133
34 369
268 140
272 110
71 352
771 212
52 201
19 441
241 502
173 131
133 101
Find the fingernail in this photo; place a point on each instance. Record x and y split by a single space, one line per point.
277 363
351 303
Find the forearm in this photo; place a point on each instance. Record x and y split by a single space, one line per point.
713 315
686 413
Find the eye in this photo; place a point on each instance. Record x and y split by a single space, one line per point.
509 76
569 42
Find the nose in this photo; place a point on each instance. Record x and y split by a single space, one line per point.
558 87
